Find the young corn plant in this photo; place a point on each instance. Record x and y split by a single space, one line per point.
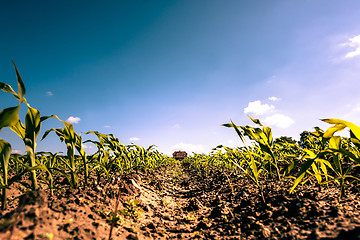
288 151
265 140
5 151
80 149
329 151
263 137
336 164
8 118
28 132
141 157
314 167
152 157
233 157
70 137
254 172
49 161
103 161
339 152
315 160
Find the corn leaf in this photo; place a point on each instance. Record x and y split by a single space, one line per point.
237 131
310 153
21 86
9 116
32 124
334 142
340 125
302 172
8 89
47 133
268 134
256 121
348 154
19 129
5 151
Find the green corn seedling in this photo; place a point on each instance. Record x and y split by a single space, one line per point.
49 160
80 149
264 138
8 118
327 152
68 135
29 133
339 153
104 162
315 159
255 171
5 150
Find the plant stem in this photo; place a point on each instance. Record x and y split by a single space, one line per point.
31 156
3 199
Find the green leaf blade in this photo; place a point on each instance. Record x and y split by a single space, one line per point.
9 116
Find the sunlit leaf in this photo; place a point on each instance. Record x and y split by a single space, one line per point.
21 86
256 121
340 125
302 172
9 116
334 142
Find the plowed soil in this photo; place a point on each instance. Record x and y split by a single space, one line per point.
178 202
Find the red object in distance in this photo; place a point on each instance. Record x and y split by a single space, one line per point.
179 155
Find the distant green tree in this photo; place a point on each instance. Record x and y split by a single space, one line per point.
284 139
304 143
313 140
286 145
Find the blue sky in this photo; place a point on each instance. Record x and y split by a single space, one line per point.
170 73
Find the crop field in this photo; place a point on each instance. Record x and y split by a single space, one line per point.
267 188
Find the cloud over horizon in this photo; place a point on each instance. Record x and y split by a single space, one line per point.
274 99
88 146
73 120
269 113
279 120
16 151
354 43
257 108
134 139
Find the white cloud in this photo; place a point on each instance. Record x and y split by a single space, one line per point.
176 126
107 126
258 108
279 120
353 43
73 120
134 139
15 151
353 53
275 99
88 146
49 93
189 148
